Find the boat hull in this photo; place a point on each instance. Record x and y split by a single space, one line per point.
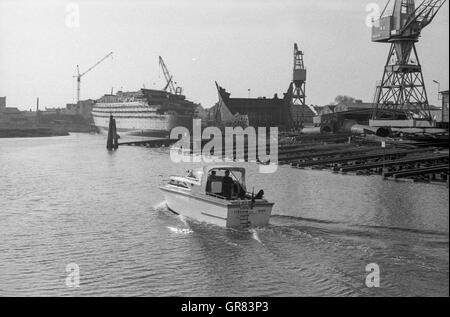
224 213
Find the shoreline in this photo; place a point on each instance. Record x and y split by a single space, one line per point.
43 131
32 132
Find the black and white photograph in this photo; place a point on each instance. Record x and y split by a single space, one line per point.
224 154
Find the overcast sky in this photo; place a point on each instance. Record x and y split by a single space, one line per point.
241 44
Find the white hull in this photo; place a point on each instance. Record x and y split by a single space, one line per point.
160 123
224 213
134 117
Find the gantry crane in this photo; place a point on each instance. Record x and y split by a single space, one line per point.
402 89
169 79
299 106
79 75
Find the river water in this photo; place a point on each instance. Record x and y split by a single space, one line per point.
67 200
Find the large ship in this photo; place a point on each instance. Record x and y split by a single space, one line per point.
145 112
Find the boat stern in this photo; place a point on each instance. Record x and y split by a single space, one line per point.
246 215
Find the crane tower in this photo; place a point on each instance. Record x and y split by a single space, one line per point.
401 91
299 88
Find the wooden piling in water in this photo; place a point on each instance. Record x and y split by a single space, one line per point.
115 135
112 140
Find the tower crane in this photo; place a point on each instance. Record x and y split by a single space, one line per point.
79 75
402 88
169 79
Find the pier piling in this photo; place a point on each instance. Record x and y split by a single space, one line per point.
112 142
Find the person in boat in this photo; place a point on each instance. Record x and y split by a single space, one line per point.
211 178
227 185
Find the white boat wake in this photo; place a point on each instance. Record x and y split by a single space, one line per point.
180 230
183 220
255 235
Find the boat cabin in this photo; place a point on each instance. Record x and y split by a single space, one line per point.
222 182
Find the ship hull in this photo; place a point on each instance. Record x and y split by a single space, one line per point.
155 125
223 213
138 118
145 112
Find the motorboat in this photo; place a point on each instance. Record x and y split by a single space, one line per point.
217 195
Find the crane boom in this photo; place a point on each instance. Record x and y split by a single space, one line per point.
424 14
167 75
169 79
78 76
96 64
167 85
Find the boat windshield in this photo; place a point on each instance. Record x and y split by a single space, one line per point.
226 184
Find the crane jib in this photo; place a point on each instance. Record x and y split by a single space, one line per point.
84 73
